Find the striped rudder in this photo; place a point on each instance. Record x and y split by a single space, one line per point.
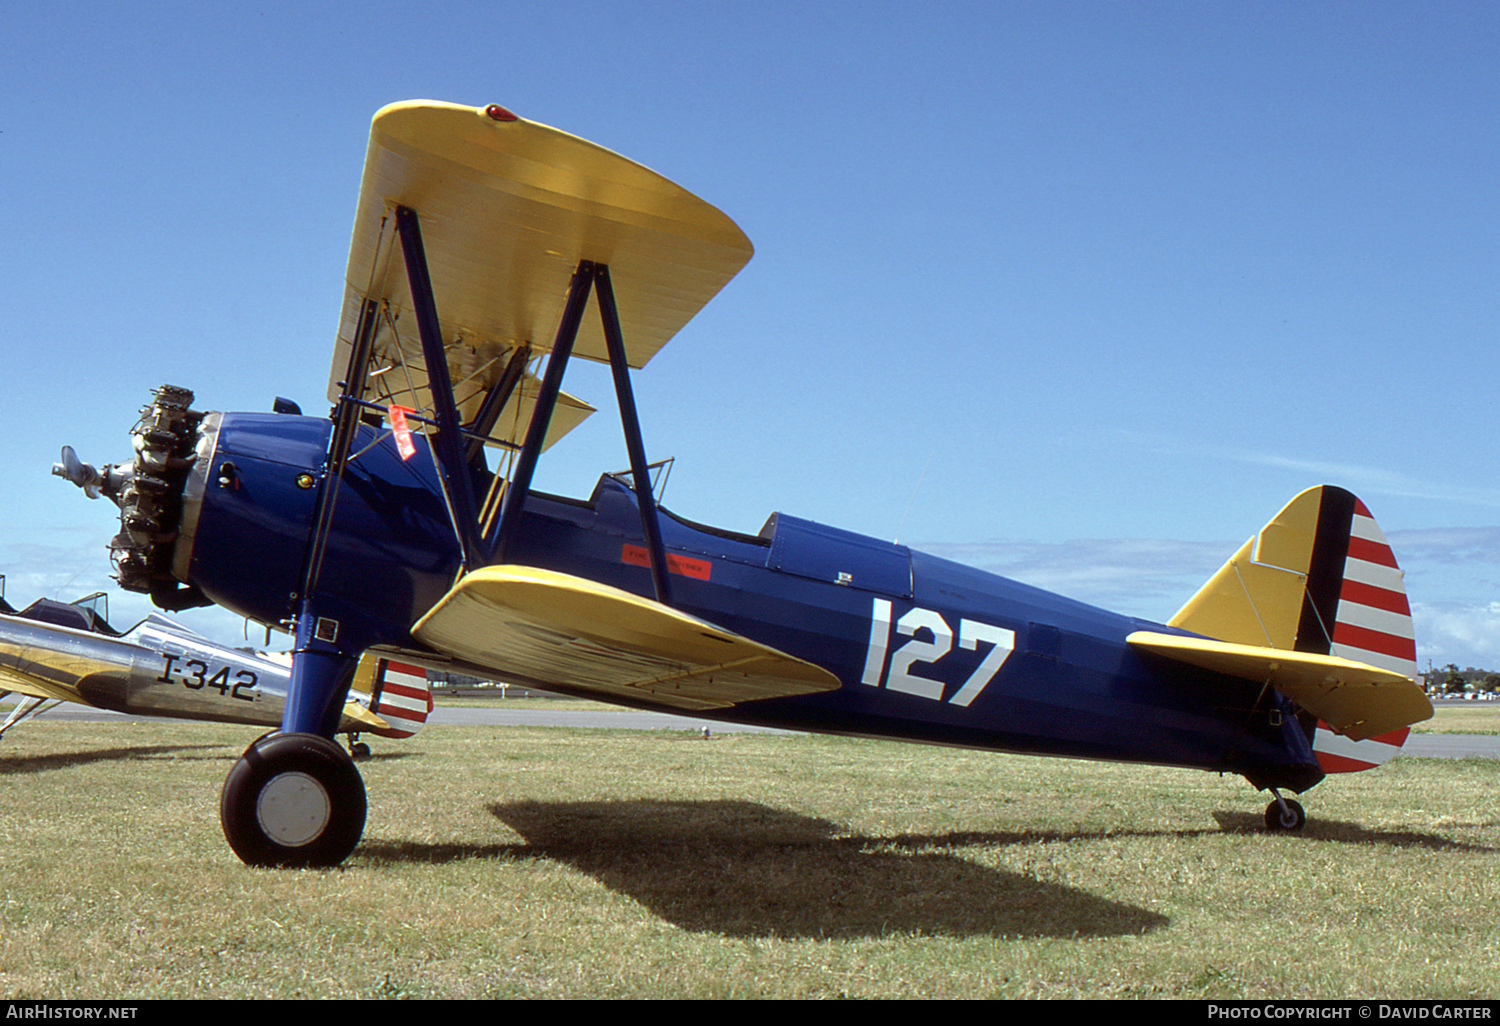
401 697
1373 622
1357 609
396 692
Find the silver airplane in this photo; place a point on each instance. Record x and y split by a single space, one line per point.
53 652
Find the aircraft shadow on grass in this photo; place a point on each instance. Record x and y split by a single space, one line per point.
1230 822
1329 830
10 764
744 869
63 760
748 870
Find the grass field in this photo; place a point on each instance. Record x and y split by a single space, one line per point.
535 862
1463 718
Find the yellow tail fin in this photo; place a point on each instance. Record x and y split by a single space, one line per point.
1320 578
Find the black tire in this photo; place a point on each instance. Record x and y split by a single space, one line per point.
293 800
1291 820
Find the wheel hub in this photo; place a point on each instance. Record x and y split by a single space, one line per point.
293 809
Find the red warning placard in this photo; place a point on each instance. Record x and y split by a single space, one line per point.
687 566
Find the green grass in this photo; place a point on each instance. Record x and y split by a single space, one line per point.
534 862
1462 718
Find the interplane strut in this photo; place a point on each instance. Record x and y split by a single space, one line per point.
321 661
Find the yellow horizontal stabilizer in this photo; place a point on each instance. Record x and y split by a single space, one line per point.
527 624
357 718
36 687
508 208
1355 699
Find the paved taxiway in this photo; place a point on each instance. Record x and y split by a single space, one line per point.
1428 746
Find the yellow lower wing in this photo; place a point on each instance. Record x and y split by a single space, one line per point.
551 628
36 687
1355 699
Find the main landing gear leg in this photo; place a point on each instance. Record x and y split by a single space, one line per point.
1284 814
294 798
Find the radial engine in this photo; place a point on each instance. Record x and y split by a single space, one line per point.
149 492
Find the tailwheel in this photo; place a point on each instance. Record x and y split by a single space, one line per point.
1284 814
293 800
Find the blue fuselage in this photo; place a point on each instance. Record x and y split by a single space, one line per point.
925 649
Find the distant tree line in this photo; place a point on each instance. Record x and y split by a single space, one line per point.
1450 680
446 680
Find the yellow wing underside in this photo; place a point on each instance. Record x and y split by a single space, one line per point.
549 628
507 211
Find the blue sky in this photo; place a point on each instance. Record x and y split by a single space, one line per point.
1080 292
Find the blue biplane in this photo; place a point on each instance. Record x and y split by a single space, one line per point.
478 242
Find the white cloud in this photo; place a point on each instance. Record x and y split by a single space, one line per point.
1465 545
1450 573
70 569
1144 577
1373 480
1361 479
1465 635
63 570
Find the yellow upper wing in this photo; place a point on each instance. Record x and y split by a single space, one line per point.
552 628
508 208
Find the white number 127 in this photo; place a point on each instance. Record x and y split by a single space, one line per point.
901 675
